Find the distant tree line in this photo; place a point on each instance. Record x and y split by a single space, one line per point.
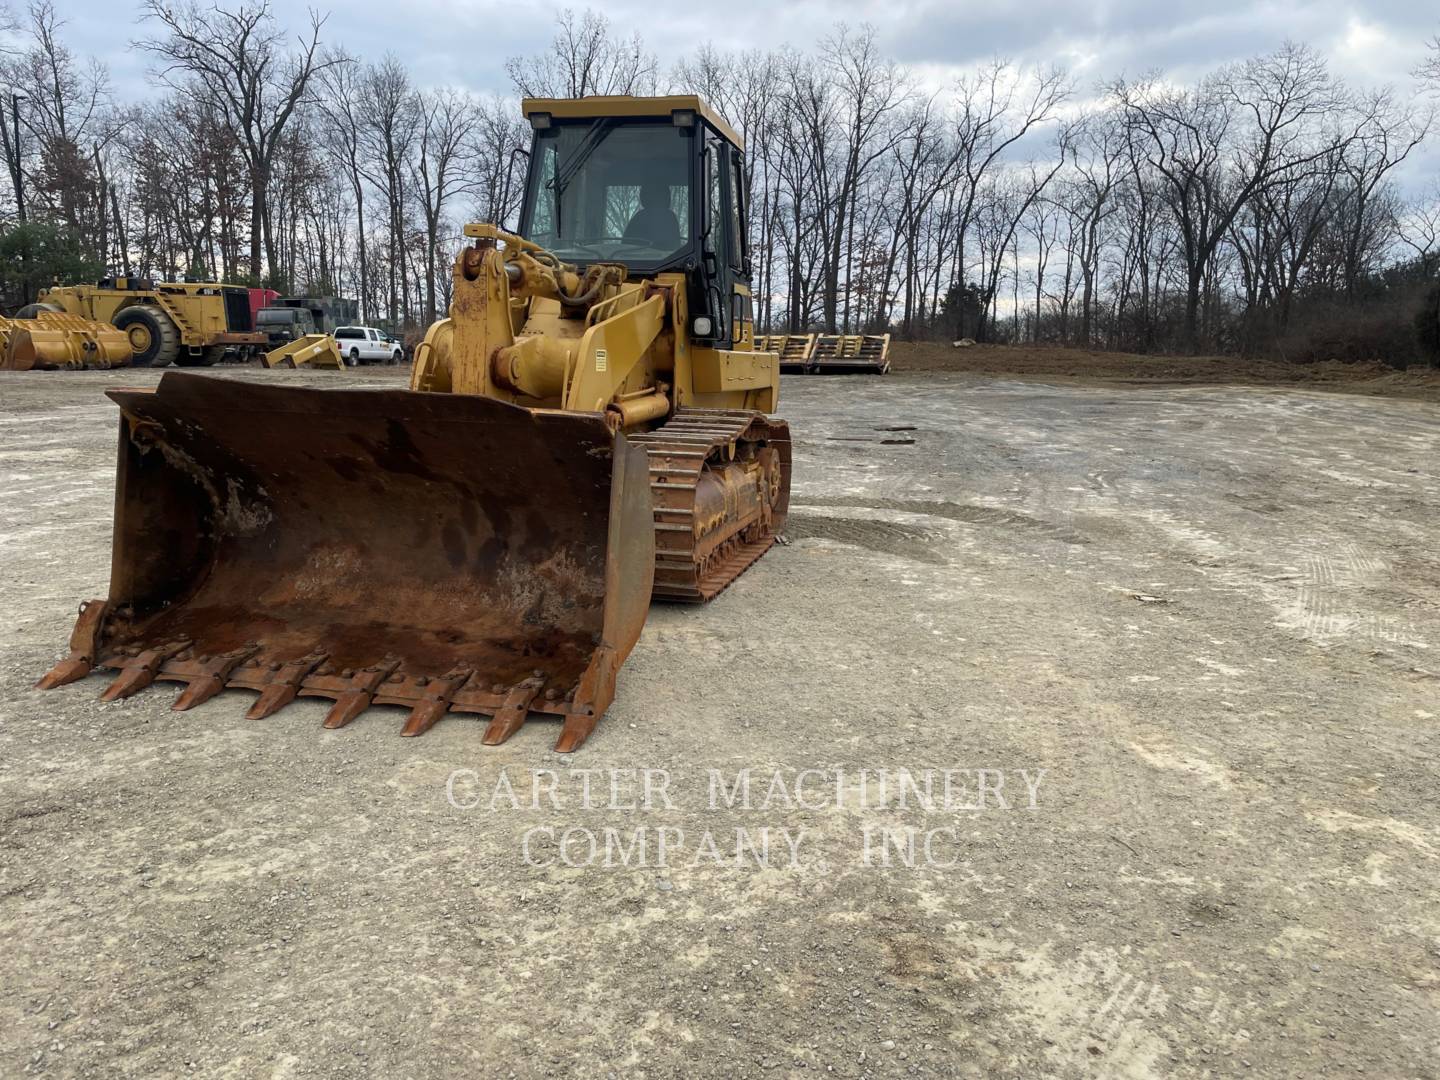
1255 210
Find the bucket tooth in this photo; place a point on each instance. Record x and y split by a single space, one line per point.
215 671
574 732
425 715
352 702
511 715
140 671
84 647
434 701
283 685
592 697
69 670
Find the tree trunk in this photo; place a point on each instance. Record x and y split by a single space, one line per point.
1191 332
257 210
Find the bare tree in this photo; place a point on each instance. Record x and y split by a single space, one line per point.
1041 224
392 120
440 170
1419 229
342 102
1216 145
1004 205
997 108
924 167
869 90
1429 71
584 58
70 120
1097 158
237 60
1384 134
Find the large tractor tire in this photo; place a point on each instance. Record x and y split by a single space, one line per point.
29 311
154 340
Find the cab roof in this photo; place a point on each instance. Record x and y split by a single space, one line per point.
623 105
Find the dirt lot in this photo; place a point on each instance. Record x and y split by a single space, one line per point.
1208 613
1127 368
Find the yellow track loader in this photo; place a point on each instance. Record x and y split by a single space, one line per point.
586 429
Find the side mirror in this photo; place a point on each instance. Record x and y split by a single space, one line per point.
517 151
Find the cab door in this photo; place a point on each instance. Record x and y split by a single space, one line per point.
742 316
716 272
725 249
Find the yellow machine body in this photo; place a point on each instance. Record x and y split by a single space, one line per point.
510 336
185 323
51 340
310 350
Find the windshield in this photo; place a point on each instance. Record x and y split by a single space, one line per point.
604 190
269 316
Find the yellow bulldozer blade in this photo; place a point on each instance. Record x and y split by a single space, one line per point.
312 350
444 552
56 340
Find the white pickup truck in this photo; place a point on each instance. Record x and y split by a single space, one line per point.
366 345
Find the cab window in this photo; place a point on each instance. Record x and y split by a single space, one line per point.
608 190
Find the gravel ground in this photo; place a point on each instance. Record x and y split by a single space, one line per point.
1208 614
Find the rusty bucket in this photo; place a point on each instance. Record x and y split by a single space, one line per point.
449 553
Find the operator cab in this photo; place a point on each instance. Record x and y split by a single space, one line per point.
654 183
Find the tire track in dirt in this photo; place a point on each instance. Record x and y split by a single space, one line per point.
965 513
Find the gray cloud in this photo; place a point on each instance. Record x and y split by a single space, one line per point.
466 42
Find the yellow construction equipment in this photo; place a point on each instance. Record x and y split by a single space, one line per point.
587 428
829 354
846 353
794 350
186 323
51 340
311 350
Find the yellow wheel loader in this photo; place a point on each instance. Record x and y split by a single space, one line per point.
185 323
587 429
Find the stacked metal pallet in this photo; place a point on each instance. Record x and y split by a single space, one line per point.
794 350
821 354
844 353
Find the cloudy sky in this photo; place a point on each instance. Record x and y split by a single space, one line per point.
467 41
